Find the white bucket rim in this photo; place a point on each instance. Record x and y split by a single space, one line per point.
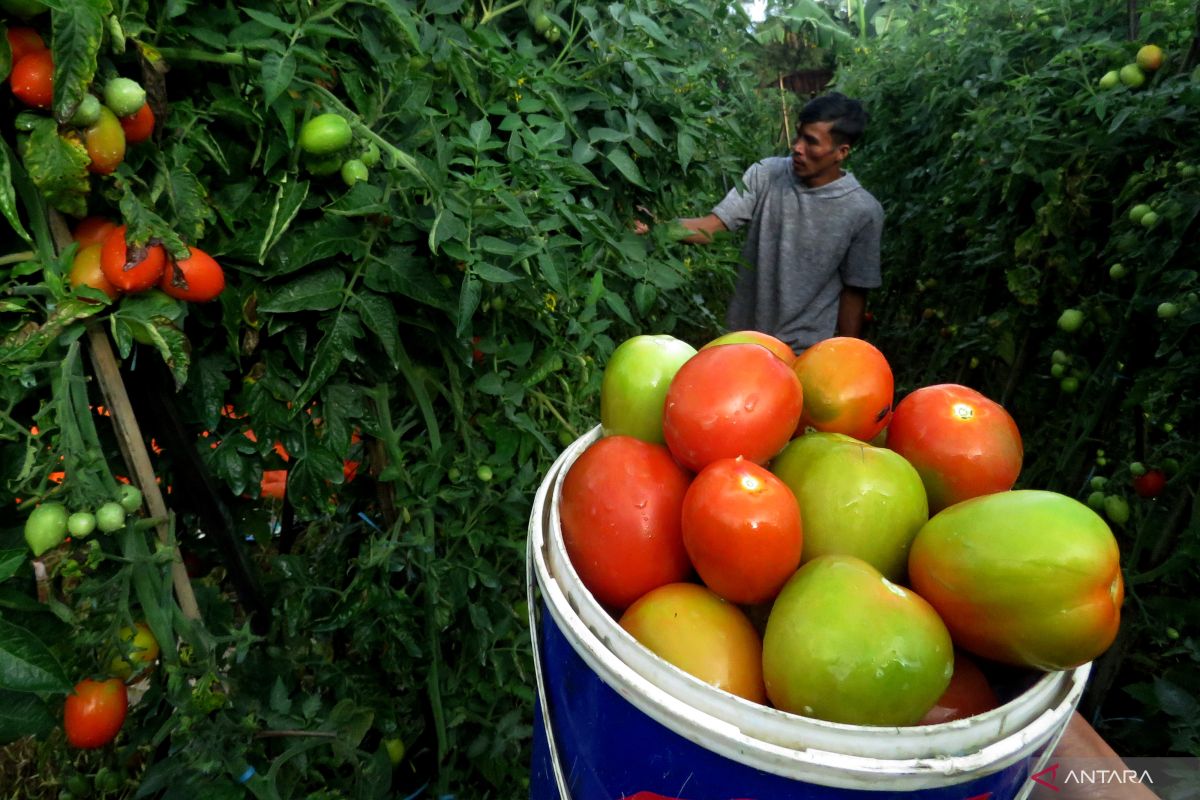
778 742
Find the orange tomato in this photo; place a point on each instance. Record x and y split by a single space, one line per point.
85 271
776 346
93 230
129 271
105 143
848 387
962 444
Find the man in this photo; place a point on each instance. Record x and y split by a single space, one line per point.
812 245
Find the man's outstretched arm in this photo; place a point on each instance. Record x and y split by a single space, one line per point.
702 228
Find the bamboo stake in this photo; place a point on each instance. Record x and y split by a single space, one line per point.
787 129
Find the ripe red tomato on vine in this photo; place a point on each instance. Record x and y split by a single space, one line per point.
131 271
1150 484
23 41
197 278
32 79
94 712
139 125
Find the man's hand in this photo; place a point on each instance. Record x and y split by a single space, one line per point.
640 228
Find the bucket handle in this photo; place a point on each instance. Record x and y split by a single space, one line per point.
559 778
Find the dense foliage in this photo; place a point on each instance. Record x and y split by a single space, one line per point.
1009 175
413 350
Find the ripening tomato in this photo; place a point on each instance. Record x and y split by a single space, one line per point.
621 504
968 694
94 712
848 387
1025 577
729 401
705 636
742 530
93 230
139 125
131 270
1150 484
776 346
963 444
32 79
23 41
273 485
85 271
105 142
197 278
143 651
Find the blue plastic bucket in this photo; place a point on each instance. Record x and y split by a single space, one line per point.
613 719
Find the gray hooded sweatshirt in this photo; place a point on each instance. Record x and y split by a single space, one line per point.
802 246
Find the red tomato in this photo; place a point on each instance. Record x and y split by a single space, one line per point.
139 125
621 506
705 636
968 694
93 230
776 346
729 401
32 79
742 530
94 712
1150 484
85 271
848 387
133 271
23 41
963 444
197 278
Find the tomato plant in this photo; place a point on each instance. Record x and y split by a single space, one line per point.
962 443
702 634
138 126
848 387
94 712
621 506
729 401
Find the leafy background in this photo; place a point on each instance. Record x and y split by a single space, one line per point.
423 344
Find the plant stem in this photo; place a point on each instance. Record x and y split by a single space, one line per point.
191 54
16 258
490 15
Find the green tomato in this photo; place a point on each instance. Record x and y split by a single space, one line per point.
395 750
1137 468
1137 212
634 387
1059 357
325 134
1149 219
1167 310
1116 509
1131 75
322 167
1099 482
1117 271
1009 592
353 171
130 498
1069 385
484 473
370 156
110 517
87 113
46 527
820 661
1095 501
1110 79
553 35
1070 320
124 96
542 23
858 499
1170 466
1057 370
81 523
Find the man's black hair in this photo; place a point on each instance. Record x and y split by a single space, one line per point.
848 116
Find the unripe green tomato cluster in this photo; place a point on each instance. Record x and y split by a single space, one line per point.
325 140
48 524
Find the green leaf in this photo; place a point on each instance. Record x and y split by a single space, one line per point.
335 347
78 32
621 160
10 562
277 72
649 26
606 135
380 317
23 714
445 226
468 301
319 291
26 664
686 145
494 274
288 200
8 196
57 165
401 15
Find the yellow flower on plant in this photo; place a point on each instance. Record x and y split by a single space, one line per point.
550 301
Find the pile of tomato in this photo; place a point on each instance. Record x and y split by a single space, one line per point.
780 528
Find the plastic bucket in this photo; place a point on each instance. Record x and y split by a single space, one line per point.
614 720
